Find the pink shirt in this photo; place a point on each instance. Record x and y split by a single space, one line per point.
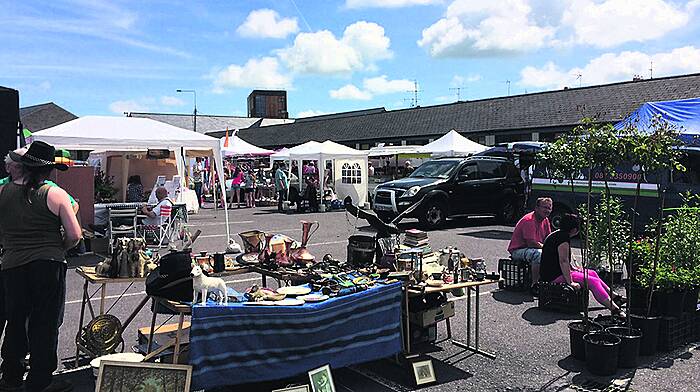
528 228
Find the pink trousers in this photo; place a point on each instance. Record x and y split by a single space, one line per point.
599 289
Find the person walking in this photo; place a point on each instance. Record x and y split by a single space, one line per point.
198 179
34 270
281 185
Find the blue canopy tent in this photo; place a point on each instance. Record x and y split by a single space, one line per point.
683 113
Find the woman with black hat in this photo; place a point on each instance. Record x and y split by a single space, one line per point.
34 269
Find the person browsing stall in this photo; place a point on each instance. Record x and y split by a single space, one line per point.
557 266
528 237
37 226
281 185
164 206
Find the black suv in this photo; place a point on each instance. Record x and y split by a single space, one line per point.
479 185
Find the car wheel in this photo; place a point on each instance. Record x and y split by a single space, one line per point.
433 216
508 212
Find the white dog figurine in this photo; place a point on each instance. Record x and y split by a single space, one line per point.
203 284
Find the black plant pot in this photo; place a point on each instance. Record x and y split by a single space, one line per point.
607 321
638 298
577 330
605 276
629 345
602 350
690 301
671 303
649 326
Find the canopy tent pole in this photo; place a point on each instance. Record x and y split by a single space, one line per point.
218 160
125 175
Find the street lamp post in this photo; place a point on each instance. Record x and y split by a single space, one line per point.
195 105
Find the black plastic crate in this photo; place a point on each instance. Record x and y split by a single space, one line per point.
676 331
561 297
515 275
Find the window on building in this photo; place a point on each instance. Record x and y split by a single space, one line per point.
351 173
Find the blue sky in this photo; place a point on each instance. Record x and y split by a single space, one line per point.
95 57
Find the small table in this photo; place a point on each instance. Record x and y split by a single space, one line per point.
91 277
181 309
469 286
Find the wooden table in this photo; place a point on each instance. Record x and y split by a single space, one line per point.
182 310
90 277
469 286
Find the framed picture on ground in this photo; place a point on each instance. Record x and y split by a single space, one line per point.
143 376
322 379
298 388
423 372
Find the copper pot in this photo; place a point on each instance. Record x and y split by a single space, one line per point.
301 255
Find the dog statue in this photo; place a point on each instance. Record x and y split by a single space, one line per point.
124 249
203 284
137 258
102 269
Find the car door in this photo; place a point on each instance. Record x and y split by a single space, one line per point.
466 187
491 184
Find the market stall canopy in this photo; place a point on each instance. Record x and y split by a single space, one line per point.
238 147
328 149
452 144
683 114
122 134
280 154
381 151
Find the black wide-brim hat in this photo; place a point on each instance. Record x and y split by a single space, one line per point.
39 154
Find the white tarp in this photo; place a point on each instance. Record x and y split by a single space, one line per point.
345 160
132 134
452 144
238 147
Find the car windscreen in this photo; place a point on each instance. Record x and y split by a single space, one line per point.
435 169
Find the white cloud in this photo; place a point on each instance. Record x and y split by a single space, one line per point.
171 101
445 98
611 67
267 23
310 113
45 85
387 3
380 85
614 22
477 28
362 44
350 91
256 73
459 80
120 107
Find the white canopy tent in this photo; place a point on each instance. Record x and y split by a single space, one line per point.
349 162
238 147
380 151
126 134
452 144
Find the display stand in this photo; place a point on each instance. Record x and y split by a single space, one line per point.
90 277
472 286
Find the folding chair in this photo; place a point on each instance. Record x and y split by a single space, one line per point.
122 223
162 230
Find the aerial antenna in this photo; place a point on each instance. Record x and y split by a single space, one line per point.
414 100
507 82
651 69
459 91
579 77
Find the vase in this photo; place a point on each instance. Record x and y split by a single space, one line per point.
302 256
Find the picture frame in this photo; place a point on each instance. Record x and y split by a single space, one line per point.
298 388
423 372
116 376
322 379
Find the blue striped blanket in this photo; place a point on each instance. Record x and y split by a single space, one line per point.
236 344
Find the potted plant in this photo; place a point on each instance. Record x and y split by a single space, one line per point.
104 187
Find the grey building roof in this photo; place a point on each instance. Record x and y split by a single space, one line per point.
209 123
46 115
550 110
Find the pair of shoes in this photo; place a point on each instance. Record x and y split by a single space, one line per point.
6 386
619 300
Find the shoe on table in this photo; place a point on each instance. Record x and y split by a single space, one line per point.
6 386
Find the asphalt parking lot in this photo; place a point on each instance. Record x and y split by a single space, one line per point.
532 346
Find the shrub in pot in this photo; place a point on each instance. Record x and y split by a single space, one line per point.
602 350
577 330
670 288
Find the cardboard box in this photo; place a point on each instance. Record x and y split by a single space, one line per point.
432 316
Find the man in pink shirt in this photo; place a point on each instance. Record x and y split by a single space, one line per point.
529 235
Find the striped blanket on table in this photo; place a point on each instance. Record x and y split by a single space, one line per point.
236 344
